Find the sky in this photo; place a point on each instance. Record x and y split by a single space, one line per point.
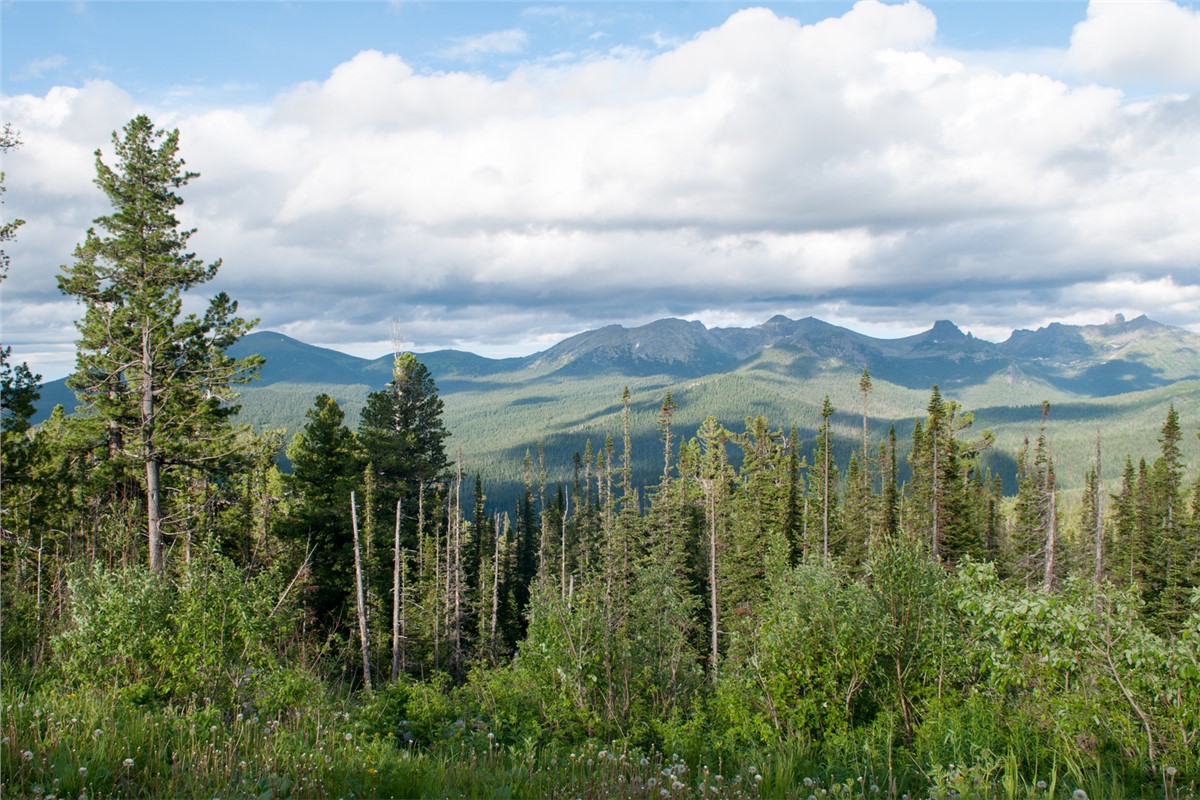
497 176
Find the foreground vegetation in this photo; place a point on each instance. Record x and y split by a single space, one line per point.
1011 694
769 618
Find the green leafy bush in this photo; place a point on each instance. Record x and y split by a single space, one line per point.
211 638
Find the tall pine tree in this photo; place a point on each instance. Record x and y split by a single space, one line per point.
157 381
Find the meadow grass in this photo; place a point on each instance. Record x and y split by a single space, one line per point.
71 745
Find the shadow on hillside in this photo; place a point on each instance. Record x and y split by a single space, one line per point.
922 373
1111 378
1032 414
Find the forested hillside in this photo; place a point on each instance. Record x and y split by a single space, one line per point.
731 582
1120 377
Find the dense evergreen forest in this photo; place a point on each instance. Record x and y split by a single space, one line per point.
767 619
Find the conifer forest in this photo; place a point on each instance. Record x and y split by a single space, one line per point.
183 617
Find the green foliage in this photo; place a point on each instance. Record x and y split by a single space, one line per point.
402 433
326 467
157 381
212 634
809 663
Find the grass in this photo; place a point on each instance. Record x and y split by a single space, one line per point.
68 745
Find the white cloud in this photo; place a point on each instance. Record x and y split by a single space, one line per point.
1147 40
471 48
41 66
763 167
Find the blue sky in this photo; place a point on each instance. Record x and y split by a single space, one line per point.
265 47
496 176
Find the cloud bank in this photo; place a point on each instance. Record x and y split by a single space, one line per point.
844 169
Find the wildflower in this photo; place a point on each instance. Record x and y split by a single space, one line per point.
646 761
242 764
664 793
97 733
83 772
213 729
758 778
753 769
128 763
491 736
1171 772
26 756
1079 794
874 789
1041 785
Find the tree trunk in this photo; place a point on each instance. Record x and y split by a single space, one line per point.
458 575
360 604
1051 534
495 582
150 454
712 571
825 501
1098 571
397 590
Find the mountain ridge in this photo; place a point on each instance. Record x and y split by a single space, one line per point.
1097 360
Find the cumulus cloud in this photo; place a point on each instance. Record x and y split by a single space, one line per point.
1150 40
845 168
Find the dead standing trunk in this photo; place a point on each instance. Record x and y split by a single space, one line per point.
360 604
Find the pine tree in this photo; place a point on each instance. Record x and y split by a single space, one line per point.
402 432
942 464
889 501
1091 517
1168 587
327 466
758 515
1124 545
19 390
157 381
1036 555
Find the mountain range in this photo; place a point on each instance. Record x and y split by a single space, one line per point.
1119 375
1089 360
